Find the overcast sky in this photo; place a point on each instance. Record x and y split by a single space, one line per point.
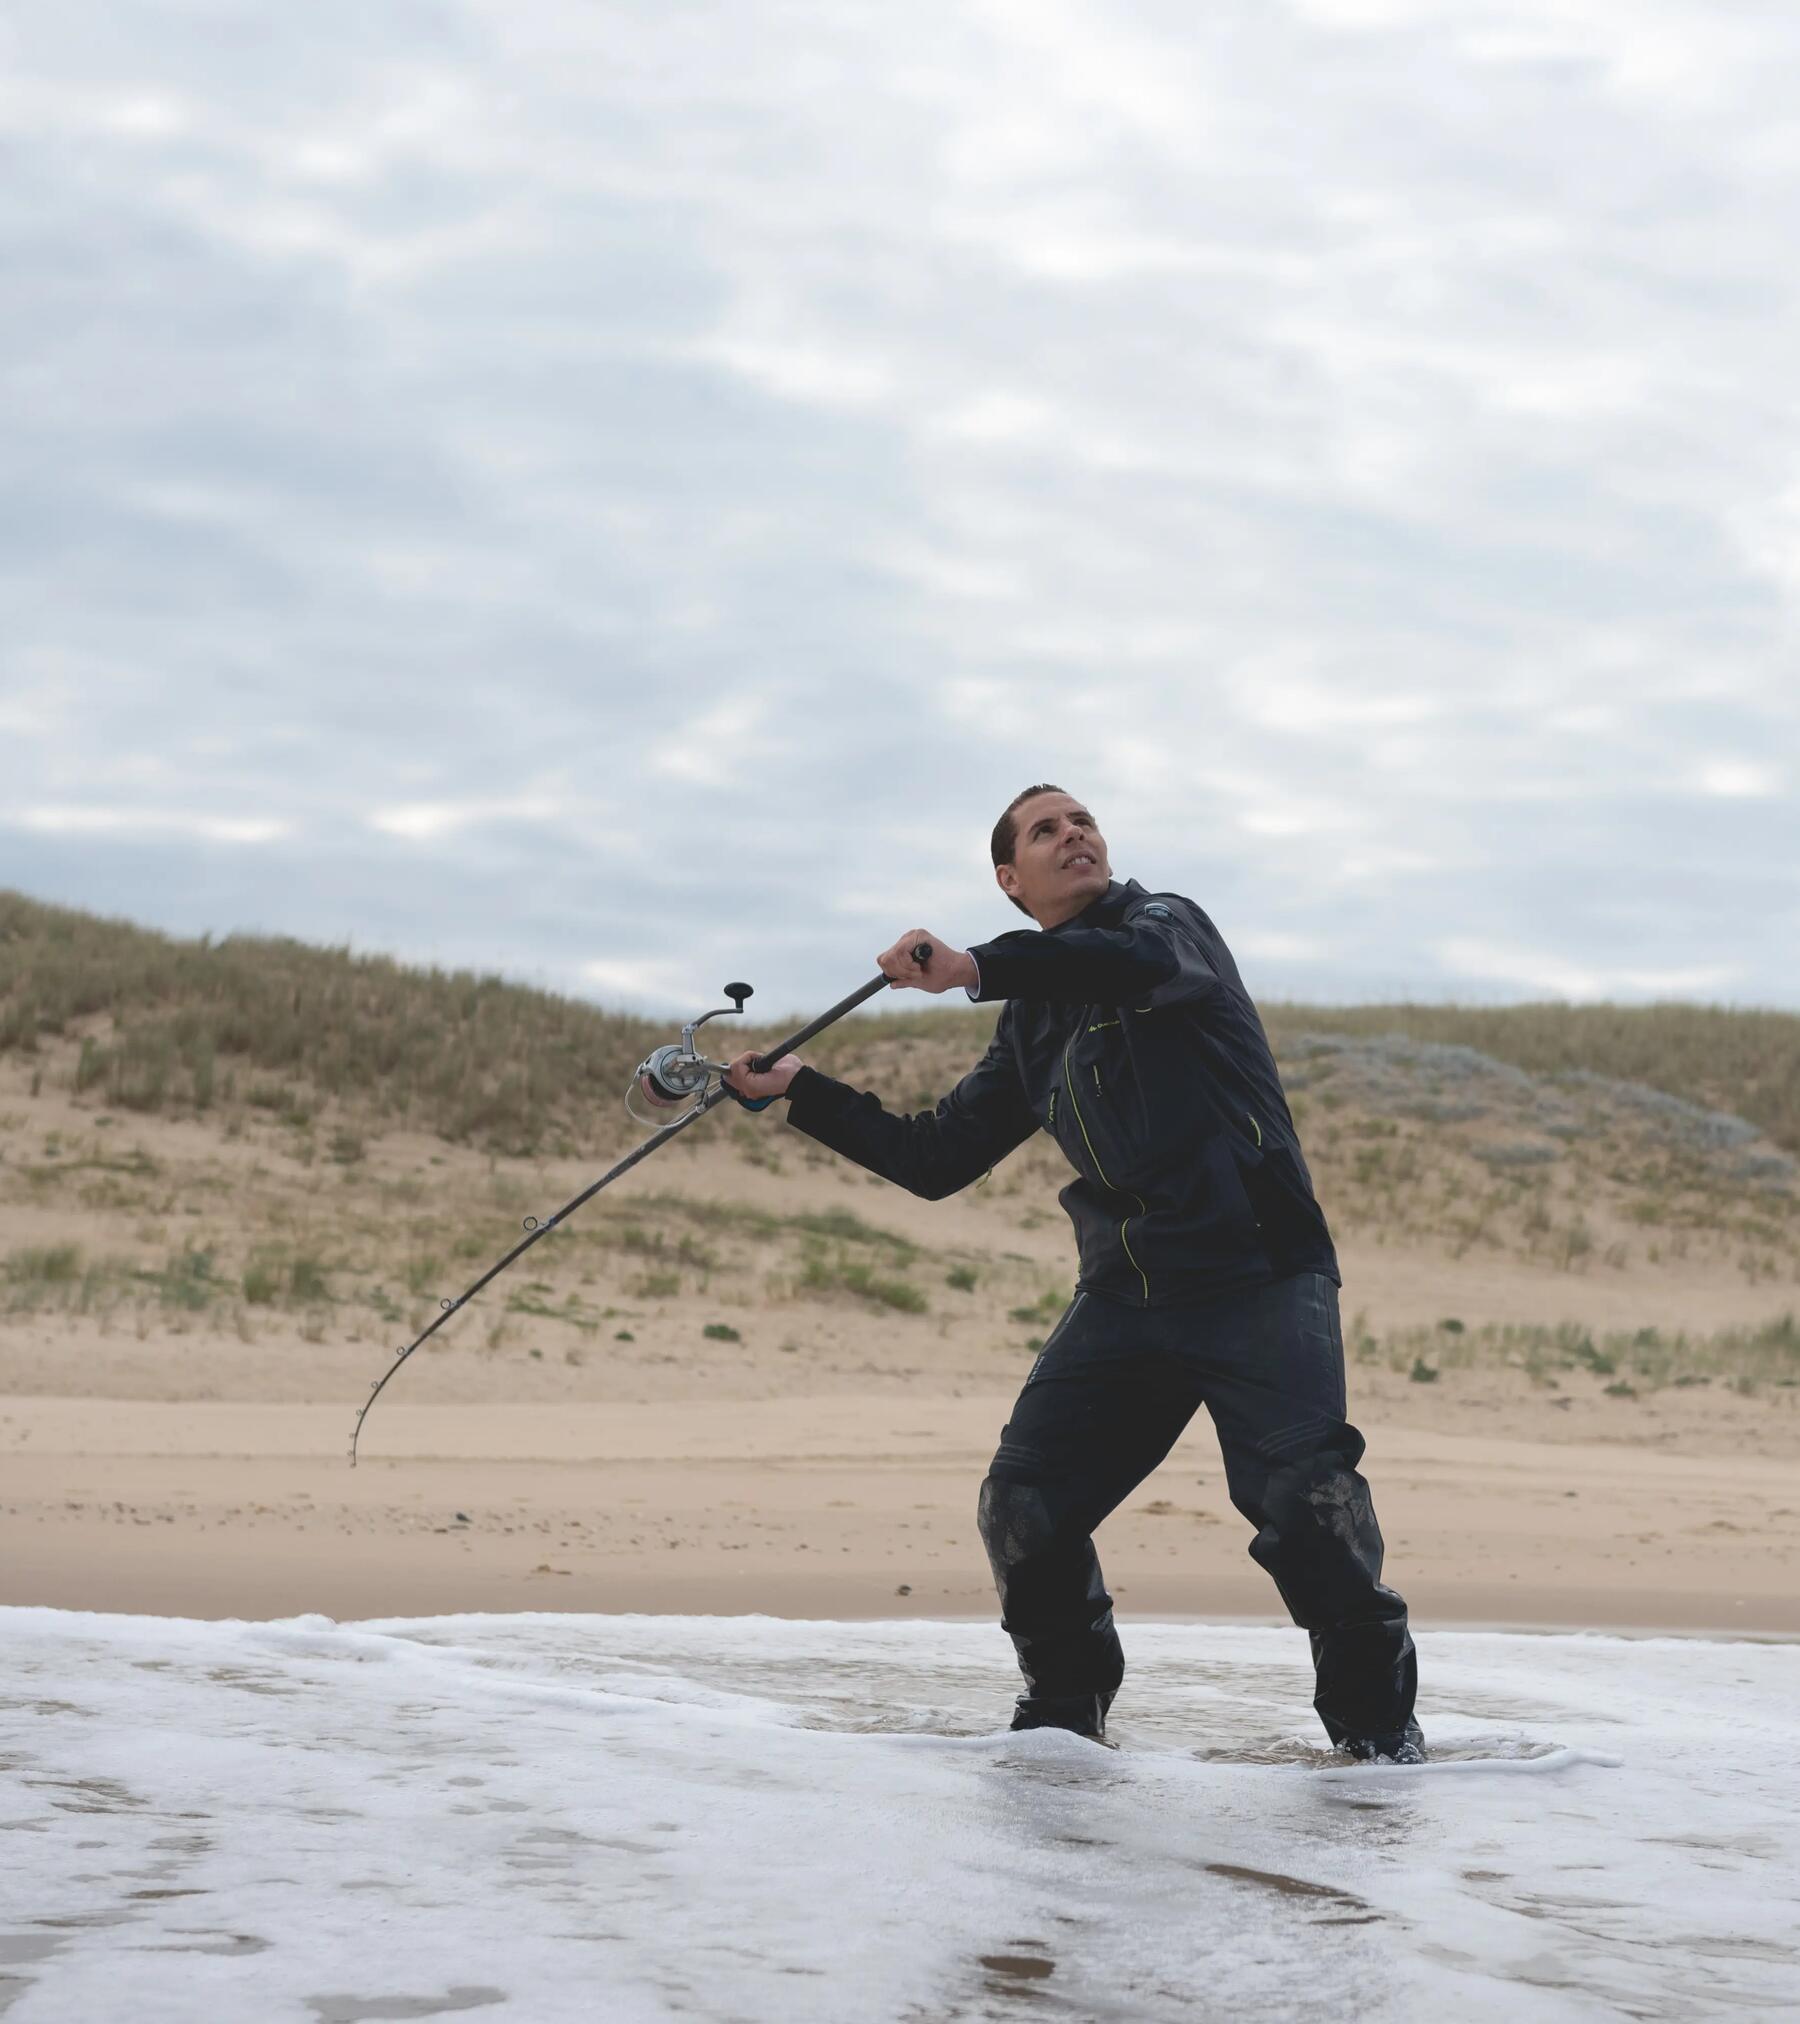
623 494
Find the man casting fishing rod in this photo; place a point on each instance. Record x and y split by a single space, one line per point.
1207 1272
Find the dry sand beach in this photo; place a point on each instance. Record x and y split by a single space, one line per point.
752 1378
617 1432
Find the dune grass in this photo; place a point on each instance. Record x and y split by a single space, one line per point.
824 1272
193 1279
286 1029
1743 1062
1481 1130
1633 1361
257 1023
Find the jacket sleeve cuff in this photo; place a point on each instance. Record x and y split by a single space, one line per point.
997 975
809 1091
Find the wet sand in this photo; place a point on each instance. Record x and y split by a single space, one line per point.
828 1507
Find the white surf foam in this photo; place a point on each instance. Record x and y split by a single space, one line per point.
627 1818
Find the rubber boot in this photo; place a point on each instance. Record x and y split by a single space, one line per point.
1080 1714
1406 1748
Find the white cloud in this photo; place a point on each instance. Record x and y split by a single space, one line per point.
145 117
430 821
1000 416
1273 945
720 745
1767 533
945 573
644 980
812 371
65 819
1555 976
1738 779
1315 706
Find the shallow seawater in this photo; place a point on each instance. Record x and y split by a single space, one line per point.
548 1817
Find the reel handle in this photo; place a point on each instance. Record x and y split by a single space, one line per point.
921 954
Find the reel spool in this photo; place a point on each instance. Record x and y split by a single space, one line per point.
671 1077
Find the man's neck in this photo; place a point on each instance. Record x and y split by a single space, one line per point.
1072 912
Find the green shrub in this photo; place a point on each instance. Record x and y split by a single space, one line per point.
423 1271
839 1274
306 1279
262 1281
186 1281
1046 1307
49 1265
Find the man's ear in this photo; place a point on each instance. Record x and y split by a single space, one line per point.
1007 879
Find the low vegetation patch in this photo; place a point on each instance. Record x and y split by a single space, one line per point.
1044 1309
1637 1361
839 1226
48 1265
837 1272
1745 1063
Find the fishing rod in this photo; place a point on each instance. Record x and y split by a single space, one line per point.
668 1077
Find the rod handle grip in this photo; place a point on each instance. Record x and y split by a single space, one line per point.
921 953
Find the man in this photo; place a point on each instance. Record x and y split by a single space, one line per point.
1207 1274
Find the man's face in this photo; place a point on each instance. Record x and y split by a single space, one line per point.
1059 860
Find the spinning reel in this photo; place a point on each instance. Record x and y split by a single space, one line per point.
675 1075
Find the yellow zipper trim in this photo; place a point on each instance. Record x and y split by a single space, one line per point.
1255 1127
1069 1085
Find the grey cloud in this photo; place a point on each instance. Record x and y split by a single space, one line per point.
640 487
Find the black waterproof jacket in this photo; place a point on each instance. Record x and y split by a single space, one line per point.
1127 1034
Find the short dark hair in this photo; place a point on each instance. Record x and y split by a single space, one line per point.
1005 840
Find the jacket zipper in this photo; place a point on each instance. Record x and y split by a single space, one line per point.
1100 1170
1255 1127
1052 1118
